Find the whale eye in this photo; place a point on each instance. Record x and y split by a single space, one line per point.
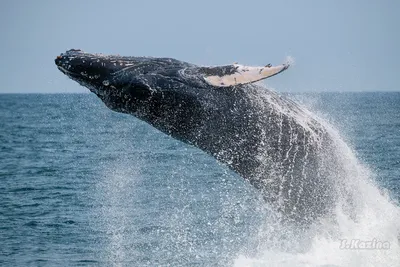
106 83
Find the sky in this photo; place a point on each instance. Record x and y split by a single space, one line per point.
337 45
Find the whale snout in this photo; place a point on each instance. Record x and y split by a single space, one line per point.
81 65
68 61
68 56
58 60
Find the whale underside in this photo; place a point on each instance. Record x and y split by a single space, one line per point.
267 139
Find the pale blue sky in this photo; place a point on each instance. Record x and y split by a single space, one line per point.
337 45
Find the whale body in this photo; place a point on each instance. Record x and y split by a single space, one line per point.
267 139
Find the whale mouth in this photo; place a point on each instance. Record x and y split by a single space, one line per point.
70 74
64 70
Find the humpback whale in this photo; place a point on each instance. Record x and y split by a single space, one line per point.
266 138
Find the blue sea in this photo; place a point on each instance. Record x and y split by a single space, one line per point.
82 185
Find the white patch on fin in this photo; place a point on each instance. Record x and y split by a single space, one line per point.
245 74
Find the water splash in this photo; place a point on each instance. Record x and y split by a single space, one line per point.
362 230
113 197
289 60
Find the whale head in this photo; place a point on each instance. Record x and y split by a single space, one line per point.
146 87
118 81
94 71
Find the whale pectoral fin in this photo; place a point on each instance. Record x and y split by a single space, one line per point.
230 75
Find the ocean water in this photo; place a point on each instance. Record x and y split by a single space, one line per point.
84 186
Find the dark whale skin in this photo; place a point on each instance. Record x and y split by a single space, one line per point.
267 139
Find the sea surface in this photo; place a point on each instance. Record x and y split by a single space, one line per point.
81 185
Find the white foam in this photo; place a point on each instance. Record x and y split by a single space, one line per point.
374 222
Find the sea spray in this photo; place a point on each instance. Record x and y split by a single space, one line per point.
362 229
